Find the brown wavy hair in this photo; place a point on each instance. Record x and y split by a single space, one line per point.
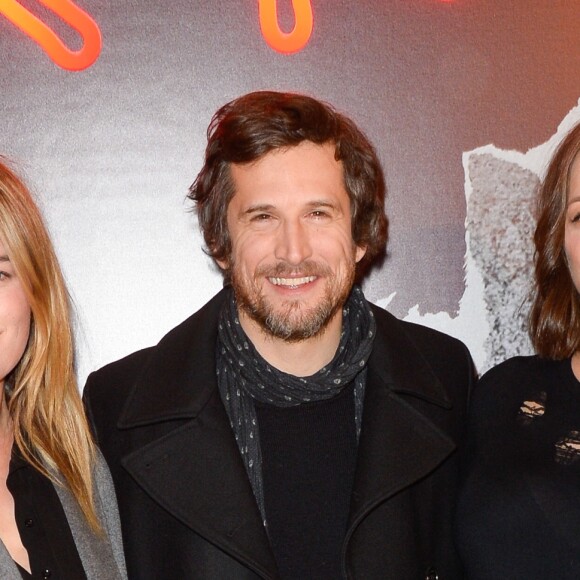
247 128
555 313
50 428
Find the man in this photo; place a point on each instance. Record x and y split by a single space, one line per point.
289 429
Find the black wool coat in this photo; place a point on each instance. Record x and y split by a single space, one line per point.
186 505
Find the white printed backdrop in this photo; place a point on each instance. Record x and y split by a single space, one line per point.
464 99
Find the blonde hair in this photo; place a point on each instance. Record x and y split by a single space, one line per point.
50 427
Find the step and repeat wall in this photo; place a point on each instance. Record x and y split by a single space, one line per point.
104 112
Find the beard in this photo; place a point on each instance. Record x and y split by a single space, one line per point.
293 321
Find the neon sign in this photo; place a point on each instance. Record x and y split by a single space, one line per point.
76 60
286 43
53 46
283 42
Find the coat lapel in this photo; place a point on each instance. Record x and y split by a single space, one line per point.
398 445
194 470
95 551
8 568
196 473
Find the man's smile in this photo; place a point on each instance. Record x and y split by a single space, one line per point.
292 282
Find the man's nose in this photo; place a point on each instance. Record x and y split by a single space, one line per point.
293 243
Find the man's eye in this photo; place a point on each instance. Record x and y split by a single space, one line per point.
4 275
261 218
576 217
318 213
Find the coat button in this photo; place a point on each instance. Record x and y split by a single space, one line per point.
46 574
431 574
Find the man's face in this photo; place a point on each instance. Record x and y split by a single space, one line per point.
293 257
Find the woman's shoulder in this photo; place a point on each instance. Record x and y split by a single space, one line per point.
522 370
506 387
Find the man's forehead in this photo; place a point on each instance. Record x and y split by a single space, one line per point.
305 154
304 145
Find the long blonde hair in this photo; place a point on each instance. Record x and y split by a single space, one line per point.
50 428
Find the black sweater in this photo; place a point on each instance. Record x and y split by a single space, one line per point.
519 509
308 464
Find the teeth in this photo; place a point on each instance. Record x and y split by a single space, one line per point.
292 281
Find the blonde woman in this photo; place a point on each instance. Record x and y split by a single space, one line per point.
58 514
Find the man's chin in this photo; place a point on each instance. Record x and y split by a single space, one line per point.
295 326
293 334
292 319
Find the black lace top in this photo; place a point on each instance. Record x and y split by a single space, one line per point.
519 509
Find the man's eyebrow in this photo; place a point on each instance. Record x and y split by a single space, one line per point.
322 203
258 208
4 259
575 199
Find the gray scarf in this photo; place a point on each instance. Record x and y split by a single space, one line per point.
244 376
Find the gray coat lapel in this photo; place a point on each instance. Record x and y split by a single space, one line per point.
102 556
8 569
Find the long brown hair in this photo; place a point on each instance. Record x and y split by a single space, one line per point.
555 313
50 428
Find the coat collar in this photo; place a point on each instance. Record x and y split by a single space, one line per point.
195 472
405 369
399 444
184 358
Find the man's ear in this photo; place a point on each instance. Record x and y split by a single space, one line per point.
223 264
359 253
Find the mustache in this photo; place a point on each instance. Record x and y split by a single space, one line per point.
285 270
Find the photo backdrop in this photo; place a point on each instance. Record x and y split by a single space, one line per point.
464 100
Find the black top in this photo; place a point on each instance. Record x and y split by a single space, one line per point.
42 525
308 465
519 509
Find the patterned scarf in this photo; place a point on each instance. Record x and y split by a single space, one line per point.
244 376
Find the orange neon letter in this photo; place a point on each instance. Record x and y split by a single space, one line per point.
49 41
290 42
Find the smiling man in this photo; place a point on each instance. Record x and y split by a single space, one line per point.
289 429
293 259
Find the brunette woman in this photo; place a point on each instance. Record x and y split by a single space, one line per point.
519 512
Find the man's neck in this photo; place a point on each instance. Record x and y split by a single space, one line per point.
301 359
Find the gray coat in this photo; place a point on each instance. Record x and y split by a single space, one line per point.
102 557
